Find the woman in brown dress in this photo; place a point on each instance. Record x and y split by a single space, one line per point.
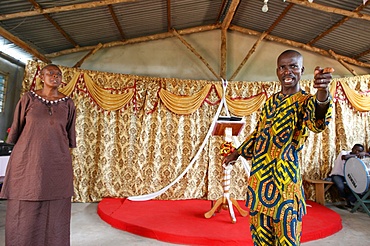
38 182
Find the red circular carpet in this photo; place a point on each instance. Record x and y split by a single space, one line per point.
183 221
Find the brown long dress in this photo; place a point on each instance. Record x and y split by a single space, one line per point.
39 178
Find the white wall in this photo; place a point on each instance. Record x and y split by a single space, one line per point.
170 58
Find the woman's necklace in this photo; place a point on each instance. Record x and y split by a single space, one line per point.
49 109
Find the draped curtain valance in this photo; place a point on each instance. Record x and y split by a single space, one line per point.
111 100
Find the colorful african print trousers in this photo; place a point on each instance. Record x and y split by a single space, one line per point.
267 231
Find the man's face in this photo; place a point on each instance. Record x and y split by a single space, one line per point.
289 70
357 149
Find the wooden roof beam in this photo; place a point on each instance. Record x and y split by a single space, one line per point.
137 40
92 52
231 6
116 21
62 9
327 31
336 25
55 24
298 45
251 51
330 9
7 35
336 57
230 12
366 52
195 53
223 53
61 30
281 16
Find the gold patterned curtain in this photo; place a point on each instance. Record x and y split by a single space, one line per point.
136 134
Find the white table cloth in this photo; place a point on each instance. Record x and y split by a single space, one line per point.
3 163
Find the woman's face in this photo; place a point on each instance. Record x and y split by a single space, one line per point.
52 76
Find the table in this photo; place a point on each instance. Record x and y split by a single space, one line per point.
3 163
321 186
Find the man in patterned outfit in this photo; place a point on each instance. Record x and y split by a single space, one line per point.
275 194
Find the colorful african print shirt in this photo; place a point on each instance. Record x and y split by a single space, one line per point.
275 183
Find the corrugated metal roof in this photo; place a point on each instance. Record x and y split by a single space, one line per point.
76 28
142 18
249 14
299 25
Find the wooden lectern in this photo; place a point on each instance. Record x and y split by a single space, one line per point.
227 127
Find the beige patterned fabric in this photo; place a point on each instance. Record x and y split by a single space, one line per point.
136 134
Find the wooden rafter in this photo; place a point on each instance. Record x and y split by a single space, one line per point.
92 52
336 25
11 59
327 31
262 36
366 52
7 35
116 21
330 9
281 16
62 9
336 57
298 45
195 53
223 53
230 14
55 24
251 51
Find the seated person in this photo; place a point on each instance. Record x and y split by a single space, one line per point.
337 174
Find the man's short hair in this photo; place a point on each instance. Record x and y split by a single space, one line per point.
359 146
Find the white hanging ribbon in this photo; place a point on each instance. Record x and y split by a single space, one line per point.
164 189
235 139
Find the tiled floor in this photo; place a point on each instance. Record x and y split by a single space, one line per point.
88 229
